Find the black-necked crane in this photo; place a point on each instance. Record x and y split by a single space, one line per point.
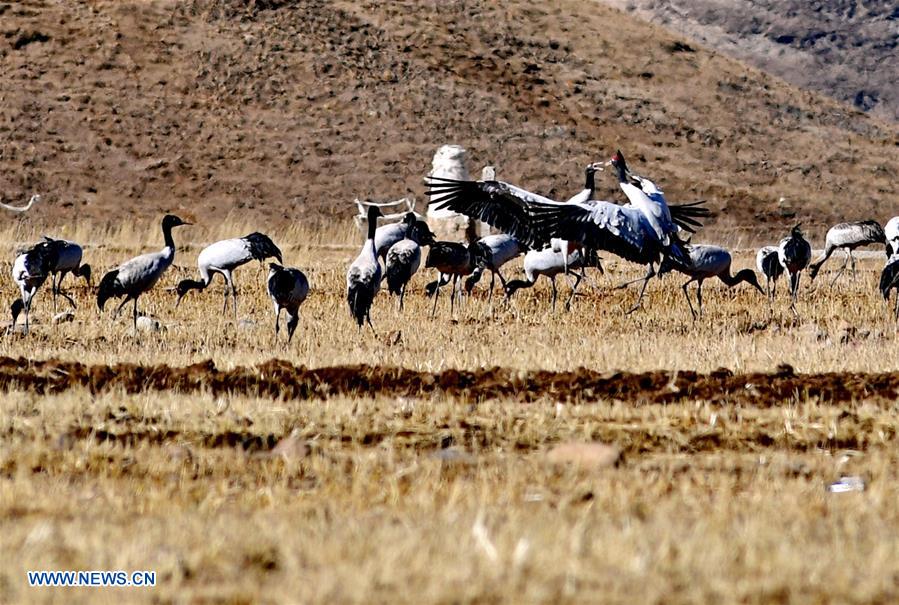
794 253
767 261
363 279
551 263
644 195
589 191
494 251
288 289
891 232
387 235
67 260
889 280
29 272
138 275
848 237
404 258
223 257
708 262
34 199
622 230
453 260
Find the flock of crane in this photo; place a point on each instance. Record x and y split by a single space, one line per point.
556 238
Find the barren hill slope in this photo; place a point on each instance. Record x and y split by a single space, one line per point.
286 110
844 48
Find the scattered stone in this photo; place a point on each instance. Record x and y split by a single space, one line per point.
64 317
585 455
148 324
246 324
849 483
178 452
292 448
453 455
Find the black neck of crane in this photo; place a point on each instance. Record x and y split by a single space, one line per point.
372 222
167 235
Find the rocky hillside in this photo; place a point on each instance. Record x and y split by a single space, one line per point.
843 48
286 110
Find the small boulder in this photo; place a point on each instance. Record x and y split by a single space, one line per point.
148 324
585 455
64 317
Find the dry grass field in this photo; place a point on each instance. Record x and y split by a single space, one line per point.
248 480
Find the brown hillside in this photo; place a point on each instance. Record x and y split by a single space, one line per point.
289 109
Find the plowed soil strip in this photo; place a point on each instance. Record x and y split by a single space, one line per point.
282 380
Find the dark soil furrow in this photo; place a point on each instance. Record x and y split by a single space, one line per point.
282 380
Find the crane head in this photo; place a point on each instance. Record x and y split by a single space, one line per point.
170 220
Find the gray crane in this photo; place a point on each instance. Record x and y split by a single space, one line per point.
288 288
848 237
138 275
363 279
707 262
794 253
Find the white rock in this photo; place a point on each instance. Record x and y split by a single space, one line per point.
64 317
148 324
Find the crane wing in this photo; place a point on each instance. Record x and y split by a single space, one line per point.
688 216
598 225
496 203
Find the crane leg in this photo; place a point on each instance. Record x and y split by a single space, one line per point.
277 320
120 307
60 292
649 275
555 292
229 282
453 296
436 295
53 289
367 319
577 282
842 269
686 291
134 315
292 321
492 285
699 296
896 311
402 296
852 264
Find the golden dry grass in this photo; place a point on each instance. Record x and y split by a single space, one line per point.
436 499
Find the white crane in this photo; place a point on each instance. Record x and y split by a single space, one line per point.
649 199
767 261
494 251
138 275
453 260
288 289
29 272
848 237
707 262
891 232
404 258
363 279
550 263
34 199
67 260
794 253
223 257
